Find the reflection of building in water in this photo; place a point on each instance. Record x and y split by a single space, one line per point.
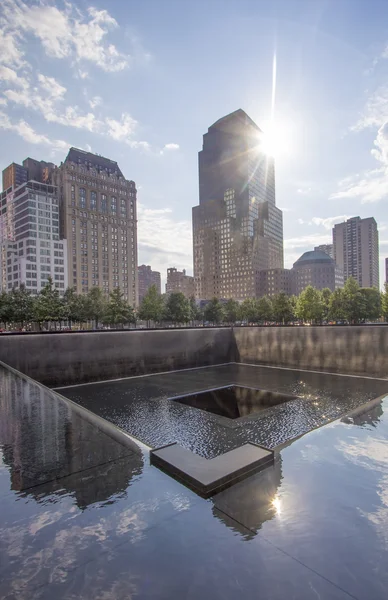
368 417
252 501
43 440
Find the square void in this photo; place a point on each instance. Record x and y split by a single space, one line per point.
234 401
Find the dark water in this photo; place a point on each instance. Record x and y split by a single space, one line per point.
141 405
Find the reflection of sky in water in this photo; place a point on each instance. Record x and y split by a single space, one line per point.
142 407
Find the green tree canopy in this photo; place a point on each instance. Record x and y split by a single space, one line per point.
354 301
152 306
282 308
48 306
214 311
5 308
310 306
118 311
232 311
337 308
96 304
177 308
249 310
21 304
384 301
264 309
372 304
195 312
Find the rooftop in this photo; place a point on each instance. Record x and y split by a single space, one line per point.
94 160
314 256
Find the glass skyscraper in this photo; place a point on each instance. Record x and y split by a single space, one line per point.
237 228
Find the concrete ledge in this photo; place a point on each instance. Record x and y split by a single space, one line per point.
208 477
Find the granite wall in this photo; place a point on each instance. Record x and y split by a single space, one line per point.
353 350
65 359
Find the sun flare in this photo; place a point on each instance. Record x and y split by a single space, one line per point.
275 140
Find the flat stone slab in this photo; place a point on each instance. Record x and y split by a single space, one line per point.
208 477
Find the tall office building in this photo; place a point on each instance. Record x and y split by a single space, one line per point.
98 219
327 248
356 250
237 228
147 278
14 175
178 281
31 249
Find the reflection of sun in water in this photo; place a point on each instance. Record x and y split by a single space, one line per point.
276 139
277 505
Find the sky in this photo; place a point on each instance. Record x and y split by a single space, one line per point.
141 82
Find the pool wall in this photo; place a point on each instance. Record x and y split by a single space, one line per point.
66 359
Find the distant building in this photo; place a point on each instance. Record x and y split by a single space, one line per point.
270 282
31 250
237 227
328 248
98 218
147 277
178 281
38 170
316 268
356 250
13 176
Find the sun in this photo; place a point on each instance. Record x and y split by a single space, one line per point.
276 139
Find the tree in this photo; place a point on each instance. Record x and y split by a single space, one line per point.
5 308
21 304
48 306
118 311
264 309
231 311
214 311
249 310
152 306
354 301
310 306
69 310
384 301
282 308
177 308
326 297
195 312
372 304
337 309
96 304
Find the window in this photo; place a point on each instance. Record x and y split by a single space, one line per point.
82 198
113 204
123 210
104 204
93 200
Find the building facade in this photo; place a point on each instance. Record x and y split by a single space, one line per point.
14 175
328 248
237 228
31 249
147 277
178 281
316 268
98 219
356 250
270 282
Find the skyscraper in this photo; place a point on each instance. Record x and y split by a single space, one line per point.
237 228
328 248
98 218
356 250
13 176
31 249
147 278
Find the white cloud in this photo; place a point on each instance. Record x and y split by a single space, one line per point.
95 101
329 222
163 241
307 241
121 130
11 76
375 111
66 33
29 135
51 86
171 147
10 52
304 191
